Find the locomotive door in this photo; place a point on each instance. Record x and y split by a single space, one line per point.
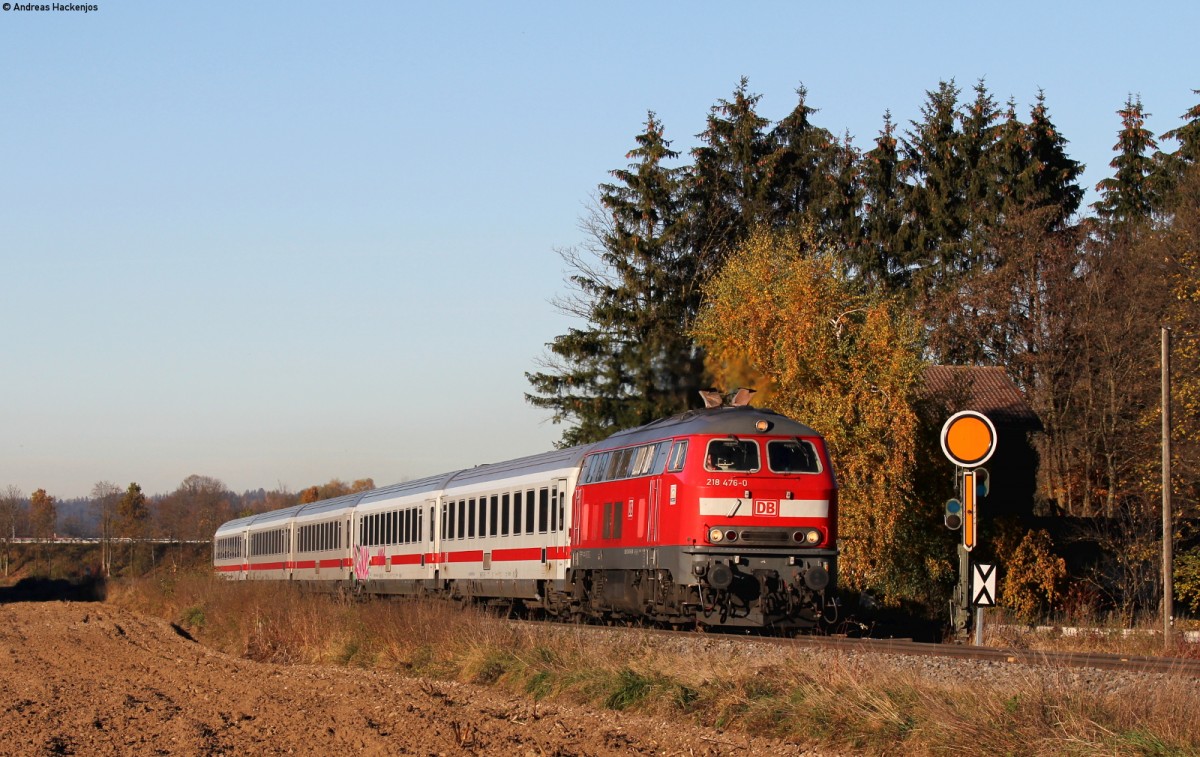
652 512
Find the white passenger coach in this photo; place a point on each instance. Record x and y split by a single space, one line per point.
506 524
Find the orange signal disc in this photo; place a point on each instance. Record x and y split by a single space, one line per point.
968 438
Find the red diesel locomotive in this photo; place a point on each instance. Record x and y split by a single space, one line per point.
725 516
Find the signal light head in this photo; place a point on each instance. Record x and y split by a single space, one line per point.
954 515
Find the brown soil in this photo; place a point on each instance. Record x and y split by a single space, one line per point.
89 678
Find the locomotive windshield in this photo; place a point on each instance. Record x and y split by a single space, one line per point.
792 456
732 455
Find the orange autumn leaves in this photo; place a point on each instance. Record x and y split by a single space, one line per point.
783 317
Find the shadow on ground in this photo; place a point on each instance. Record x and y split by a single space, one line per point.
90 589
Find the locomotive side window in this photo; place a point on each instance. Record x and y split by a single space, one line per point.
642 460
661 452
618 465
732 455
595 468
678 456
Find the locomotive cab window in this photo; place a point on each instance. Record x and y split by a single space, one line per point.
732 455
792 456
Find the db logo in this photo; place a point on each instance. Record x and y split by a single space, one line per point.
767 507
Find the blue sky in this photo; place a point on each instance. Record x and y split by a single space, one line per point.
281 242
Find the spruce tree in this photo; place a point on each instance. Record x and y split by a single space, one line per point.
935 195
1173 166
883 257
1129 195
977 144
633 362
1011 161
800 168
729 193
1051 179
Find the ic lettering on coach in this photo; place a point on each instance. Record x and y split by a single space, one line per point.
766 507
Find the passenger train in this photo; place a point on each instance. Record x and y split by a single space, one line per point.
725 516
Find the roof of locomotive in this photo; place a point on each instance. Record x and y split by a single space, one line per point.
715 421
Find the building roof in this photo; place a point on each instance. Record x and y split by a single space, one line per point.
986 389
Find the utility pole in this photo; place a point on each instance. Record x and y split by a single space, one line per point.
1168 521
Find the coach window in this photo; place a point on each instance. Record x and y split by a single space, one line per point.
678 456
494 515
471 516
518 513
482 517
530 511
732 455
505 515
462 519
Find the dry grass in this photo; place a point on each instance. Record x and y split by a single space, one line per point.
852 703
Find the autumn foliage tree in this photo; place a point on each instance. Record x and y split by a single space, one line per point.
784 315
133 515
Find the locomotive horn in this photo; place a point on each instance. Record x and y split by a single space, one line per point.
742 398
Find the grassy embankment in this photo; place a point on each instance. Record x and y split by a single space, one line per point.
855 704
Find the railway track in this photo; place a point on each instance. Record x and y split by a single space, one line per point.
1177 666
1124 663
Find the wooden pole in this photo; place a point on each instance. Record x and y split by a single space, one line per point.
1168 521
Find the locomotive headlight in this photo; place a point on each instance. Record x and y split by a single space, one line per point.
715 535
813 536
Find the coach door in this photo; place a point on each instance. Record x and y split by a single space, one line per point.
433 542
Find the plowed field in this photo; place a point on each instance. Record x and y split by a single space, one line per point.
91 679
